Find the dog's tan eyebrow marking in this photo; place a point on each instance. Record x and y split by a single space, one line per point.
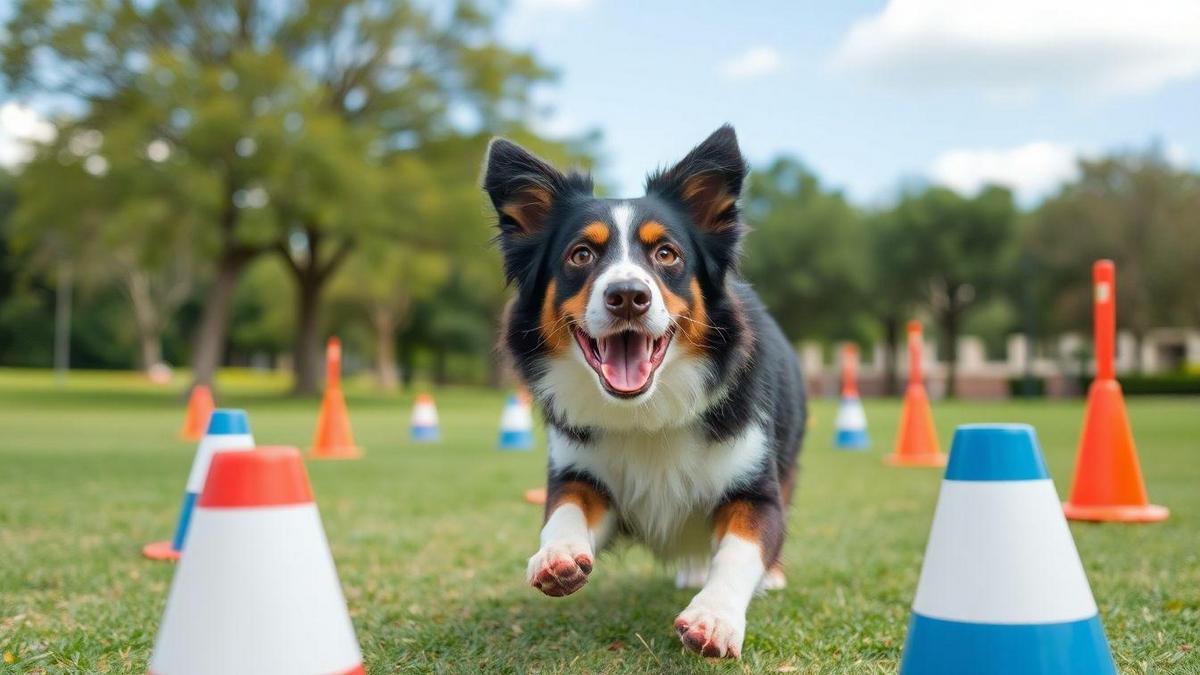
596 232
651 231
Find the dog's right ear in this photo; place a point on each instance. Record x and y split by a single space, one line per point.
524 189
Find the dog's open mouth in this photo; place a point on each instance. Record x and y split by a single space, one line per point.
625 361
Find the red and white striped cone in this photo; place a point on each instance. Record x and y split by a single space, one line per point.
257 591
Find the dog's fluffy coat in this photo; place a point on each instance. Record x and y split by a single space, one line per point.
674 404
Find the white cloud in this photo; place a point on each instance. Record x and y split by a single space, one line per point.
754 62
1031 171
20 128
1014 47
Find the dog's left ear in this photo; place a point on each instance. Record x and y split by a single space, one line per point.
708 182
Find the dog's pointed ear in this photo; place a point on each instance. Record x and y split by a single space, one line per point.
708 183
524 188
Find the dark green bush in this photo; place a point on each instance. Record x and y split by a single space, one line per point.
1167 383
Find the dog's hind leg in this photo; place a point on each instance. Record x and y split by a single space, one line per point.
692 573
748 533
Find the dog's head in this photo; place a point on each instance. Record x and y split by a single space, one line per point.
618 289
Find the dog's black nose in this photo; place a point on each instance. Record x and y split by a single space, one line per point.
627 299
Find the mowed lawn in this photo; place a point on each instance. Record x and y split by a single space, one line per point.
431 540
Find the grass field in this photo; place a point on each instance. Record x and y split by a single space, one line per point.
431 540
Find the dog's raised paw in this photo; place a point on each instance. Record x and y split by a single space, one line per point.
559 569
710 631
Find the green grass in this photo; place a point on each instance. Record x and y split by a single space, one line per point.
431 540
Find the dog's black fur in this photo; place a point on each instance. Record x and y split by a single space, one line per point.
728 378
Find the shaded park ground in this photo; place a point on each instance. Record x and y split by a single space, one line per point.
431 540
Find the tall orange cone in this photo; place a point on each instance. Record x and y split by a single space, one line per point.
916 442
1108 479
333 439
199 409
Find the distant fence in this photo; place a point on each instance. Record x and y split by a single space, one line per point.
1058 369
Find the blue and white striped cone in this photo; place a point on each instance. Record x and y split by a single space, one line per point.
228 429
1002 589
424 419
851 425
516 425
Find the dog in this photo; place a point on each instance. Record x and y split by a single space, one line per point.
674 404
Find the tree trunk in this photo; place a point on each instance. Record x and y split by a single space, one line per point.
891 338
950 318
383 321
145 318
209 342
306 353
311 274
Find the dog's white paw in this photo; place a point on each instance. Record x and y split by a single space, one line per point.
710 630
560 568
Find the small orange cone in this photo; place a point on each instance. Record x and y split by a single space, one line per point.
200 408
333 439
916 442
536 496
1108 479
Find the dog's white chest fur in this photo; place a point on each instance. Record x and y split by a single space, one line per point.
665 483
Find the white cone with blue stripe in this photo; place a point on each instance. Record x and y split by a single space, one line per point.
516 425
1002 589
851 425
228 429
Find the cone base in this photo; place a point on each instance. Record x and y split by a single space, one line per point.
851 439
160 550
347 452
425 434
536 496
1146 513
926 460
941 646
515 441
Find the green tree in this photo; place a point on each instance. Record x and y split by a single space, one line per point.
806 253
958 250
1141 212
294 112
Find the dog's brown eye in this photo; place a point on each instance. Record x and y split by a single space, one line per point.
581 256
666 255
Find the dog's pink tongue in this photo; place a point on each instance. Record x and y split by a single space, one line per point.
625 361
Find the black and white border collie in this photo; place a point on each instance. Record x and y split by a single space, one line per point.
674 404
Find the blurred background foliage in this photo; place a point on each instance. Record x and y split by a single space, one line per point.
230 182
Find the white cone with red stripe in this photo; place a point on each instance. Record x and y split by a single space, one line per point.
424 419
257 591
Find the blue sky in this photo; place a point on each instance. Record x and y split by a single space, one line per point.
870 94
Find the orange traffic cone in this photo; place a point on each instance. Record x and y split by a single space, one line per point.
916 442
1108 479
535 496
200 408
334 439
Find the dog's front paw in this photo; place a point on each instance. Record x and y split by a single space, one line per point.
560 569
710 630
